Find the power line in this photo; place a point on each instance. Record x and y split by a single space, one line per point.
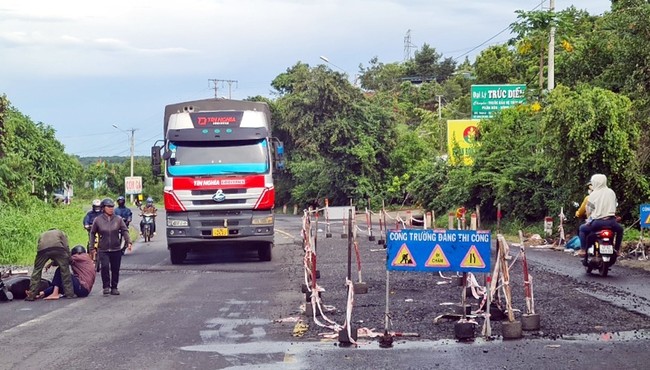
493 37
216 82
87 135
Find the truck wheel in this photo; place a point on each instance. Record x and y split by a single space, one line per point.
264 251
177 255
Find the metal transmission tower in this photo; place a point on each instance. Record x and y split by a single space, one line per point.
408 45
215 86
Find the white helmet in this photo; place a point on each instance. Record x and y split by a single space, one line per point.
97 203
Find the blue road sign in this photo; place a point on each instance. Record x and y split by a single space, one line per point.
645 215
438 250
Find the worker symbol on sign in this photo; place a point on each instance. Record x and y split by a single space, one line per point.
473 259
404 257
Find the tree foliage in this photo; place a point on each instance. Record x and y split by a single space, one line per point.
33 160
386 140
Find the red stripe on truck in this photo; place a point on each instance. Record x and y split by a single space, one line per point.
214 183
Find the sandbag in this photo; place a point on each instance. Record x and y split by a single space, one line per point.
17 285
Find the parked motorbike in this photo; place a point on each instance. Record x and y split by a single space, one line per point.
148 220
600 252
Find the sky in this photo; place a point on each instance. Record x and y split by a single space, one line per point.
83 67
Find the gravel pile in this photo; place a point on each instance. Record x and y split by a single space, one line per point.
416 298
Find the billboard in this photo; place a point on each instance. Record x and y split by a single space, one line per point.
489 99
462 140
133 185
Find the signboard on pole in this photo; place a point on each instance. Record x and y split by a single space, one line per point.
133 185
489 99
438 250
462 140
645 215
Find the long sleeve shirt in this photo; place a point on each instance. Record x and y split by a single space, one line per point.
109 230
53 239
83 268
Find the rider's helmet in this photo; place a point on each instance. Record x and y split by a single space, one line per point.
149 201
121 200
96 205
78 249
108 202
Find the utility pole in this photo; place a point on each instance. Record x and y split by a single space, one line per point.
551 50
132 140
216 83
132 155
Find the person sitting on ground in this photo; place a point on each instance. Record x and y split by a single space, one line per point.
601 210
52 245
83 277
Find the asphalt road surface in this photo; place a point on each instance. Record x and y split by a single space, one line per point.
225 309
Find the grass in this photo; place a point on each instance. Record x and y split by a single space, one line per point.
20 229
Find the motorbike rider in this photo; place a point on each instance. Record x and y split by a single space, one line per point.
601 213
123 211
150 209
581 213
95 211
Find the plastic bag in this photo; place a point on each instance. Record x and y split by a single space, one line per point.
573 243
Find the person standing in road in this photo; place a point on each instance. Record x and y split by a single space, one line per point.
108 228
52 245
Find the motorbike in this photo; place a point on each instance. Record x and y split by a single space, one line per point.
123 245
600 252
148 220
94 254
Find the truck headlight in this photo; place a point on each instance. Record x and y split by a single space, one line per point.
177 223
266 220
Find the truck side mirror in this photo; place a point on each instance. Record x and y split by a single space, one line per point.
279 154
156 168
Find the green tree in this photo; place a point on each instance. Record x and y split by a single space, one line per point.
380 76
327 122
496 65
590 130
34 160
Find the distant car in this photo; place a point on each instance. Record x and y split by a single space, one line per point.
58 197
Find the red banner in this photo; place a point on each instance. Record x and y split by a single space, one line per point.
214 183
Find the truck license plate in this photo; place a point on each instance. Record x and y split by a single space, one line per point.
220 231
606 249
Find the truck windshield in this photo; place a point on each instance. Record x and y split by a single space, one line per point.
229 157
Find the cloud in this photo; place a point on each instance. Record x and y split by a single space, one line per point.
38 40
24 15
